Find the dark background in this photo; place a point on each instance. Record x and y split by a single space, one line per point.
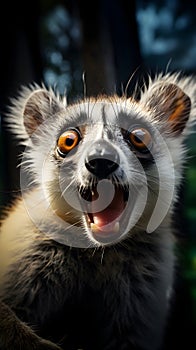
55 42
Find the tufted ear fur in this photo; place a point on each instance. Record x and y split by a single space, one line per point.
169 103
31 108
40 105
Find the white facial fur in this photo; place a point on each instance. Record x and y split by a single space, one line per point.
151 184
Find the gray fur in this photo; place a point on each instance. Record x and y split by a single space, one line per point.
100 295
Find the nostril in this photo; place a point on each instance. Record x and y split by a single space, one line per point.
92 164
101 167
102 161
110 165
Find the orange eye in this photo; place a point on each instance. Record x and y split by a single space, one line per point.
141 139
67 141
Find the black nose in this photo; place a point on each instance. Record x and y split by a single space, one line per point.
102 160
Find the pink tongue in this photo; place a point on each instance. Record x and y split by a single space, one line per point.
112 212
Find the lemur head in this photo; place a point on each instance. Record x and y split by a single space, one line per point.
108 166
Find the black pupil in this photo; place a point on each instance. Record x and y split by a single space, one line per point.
138 139
139 136
69 140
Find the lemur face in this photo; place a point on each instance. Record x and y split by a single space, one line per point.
103 167
108 166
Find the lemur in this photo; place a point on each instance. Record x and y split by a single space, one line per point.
87 252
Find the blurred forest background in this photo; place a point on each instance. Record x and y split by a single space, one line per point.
56 41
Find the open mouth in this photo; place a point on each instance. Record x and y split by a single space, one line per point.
104 209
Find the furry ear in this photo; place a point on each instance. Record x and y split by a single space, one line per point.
169 103
30 108
39 105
